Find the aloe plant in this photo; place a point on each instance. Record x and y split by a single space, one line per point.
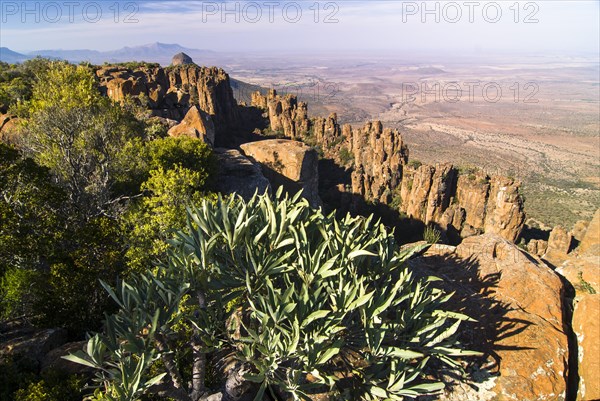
295 300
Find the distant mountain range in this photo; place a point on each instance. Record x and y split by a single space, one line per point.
9 56
153 52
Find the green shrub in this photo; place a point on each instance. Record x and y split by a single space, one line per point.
54 389
18 292
431 235
16 81
396 202
175 171
284 293
467 170
345 156
415 164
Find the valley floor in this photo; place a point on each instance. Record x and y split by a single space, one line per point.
538 121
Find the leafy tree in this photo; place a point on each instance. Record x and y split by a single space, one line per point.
70 294
16 80
292 300
51 259
71 129
32 220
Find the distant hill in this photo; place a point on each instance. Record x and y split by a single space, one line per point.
429 71
9 56
153 52
75 56
242 91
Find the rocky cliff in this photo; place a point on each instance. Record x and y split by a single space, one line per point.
580 268
379 156
171 92
286 115
521 326
376 158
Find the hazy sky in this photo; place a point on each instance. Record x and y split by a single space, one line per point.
543 26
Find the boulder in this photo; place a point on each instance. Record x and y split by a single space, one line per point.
28 346
8 128
590 242
559 244
518 302
196 124
53 361
579 229
537 247
290 164
181 58
237 174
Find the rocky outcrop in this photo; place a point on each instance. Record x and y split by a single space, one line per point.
537 247
459 203
472 191
237 174
559 244
181 59
533 297
581 269
286 114
586 324
414 201
8 128
579 229
327 132
518 303
286 163
27 346
462 205
195 124
504 214
428 192
379 155
171 92
591 240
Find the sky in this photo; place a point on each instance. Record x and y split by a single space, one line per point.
456 27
